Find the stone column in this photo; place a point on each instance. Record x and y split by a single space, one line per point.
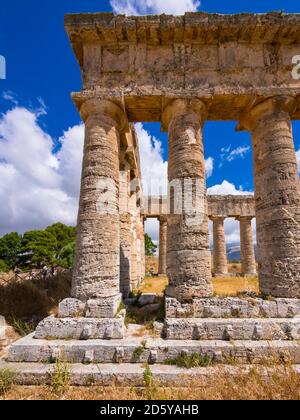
133 224
277 196
247 247
125 229
220 253
163 228
97 262
188 252
140 248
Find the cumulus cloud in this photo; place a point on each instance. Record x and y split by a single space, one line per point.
148 7
154 168
33 180
209 167
298 159
227 188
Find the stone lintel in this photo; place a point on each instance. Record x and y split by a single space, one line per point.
107 28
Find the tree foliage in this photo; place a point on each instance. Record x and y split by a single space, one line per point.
38 248
150 247
9 250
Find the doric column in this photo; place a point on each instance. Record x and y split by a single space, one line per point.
277 196
220 253
188 252
133 229
97 263
247 247
125 228
163 227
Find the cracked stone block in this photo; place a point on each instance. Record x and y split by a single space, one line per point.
70 308
103 308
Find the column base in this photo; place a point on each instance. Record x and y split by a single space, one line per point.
52 328
104 307
233 307
97 318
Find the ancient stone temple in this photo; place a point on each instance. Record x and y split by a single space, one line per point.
181 71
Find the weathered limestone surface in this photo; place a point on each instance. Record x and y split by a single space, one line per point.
247 247
227 59
188 254
153 350
232 329
218 205
219 254
277 195
234 308
80 328
163 230
133 374
97 263
3 330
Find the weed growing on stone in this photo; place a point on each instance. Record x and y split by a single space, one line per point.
7 377
59 377
190 360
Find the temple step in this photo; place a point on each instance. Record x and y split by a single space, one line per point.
154 351
133 374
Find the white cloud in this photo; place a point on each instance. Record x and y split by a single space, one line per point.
209 166
154 168
34 188
228 154
148 7
226 188
70 159
298 159
231 226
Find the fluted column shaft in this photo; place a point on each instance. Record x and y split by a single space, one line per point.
277 196
220 253
188 252
96 270
163 227
247 247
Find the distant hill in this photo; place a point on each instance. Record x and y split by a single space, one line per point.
233 252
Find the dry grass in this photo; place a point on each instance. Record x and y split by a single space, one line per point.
154 285
232 286
33 300
223 286
281 385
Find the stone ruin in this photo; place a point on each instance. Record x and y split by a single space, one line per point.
180 71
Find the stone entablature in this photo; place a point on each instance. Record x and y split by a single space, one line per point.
218 205
145 61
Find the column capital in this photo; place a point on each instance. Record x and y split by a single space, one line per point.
177 107
244 218
217 218
261 108
103 107
163 219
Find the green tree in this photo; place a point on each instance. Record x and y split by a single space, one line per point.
38 249
66 256
3 267
9 249
64 235
150 247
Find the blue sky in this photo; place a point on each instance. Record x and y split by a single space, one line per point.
41 73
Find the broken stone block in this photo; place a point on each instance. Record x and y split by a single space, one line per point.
71 308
